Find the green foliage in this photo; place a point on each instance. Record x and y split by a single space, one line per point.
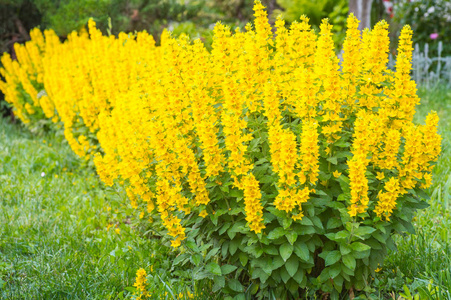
326 251
56 244
335 11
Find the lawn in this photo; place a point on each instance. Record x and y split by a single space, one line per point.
64 235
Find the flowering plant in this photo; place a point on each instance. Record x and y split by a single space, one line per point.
271 164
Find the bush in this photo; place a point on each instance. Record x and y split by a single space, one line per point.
277 171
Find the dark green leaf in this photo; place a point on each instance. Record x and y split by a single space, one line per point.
334 270
226 269
292 265
302 251
235 285
219 283
243 258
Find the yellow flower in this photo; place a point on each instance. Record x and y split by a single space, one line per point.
380 175
203 213
336 174
118 230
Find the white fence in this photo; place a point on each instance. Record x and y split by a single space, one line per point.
429 71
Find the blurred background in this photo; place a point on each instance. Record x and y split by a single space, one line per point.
430 19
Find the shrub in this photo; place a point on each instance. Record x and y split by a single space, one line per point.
278 170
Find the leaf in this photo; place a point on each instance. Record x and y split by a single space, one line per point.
234 244
224 228
344 184
345 249
299 276
277 262
306 221
332 257
359 247
334 270
211 253
213 268
291 237
235 285
192 246
284 274
196 259
292 265
286 250
276 233
349 261
271 250
260 274
362 231
302 251
227 269
332 160
243 258
219 283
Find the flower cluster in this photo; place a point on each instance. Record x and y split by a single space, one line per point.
174 123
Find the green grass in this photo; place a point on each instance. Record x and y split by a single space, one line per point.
63 235
54 219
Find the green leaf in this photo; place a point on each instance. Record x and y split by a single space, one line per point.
332 257
277 262
211 253
349 261
332 160
291 237
213 268
235 285
243 258
302 251
196 259
234 244
276 233
260 274
341 235
299 276
334 270
357 246
226 269
333 223
306 221
286 250
284 274
192 246
224 228
219 283
345 249
271 250
292 265
362 231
